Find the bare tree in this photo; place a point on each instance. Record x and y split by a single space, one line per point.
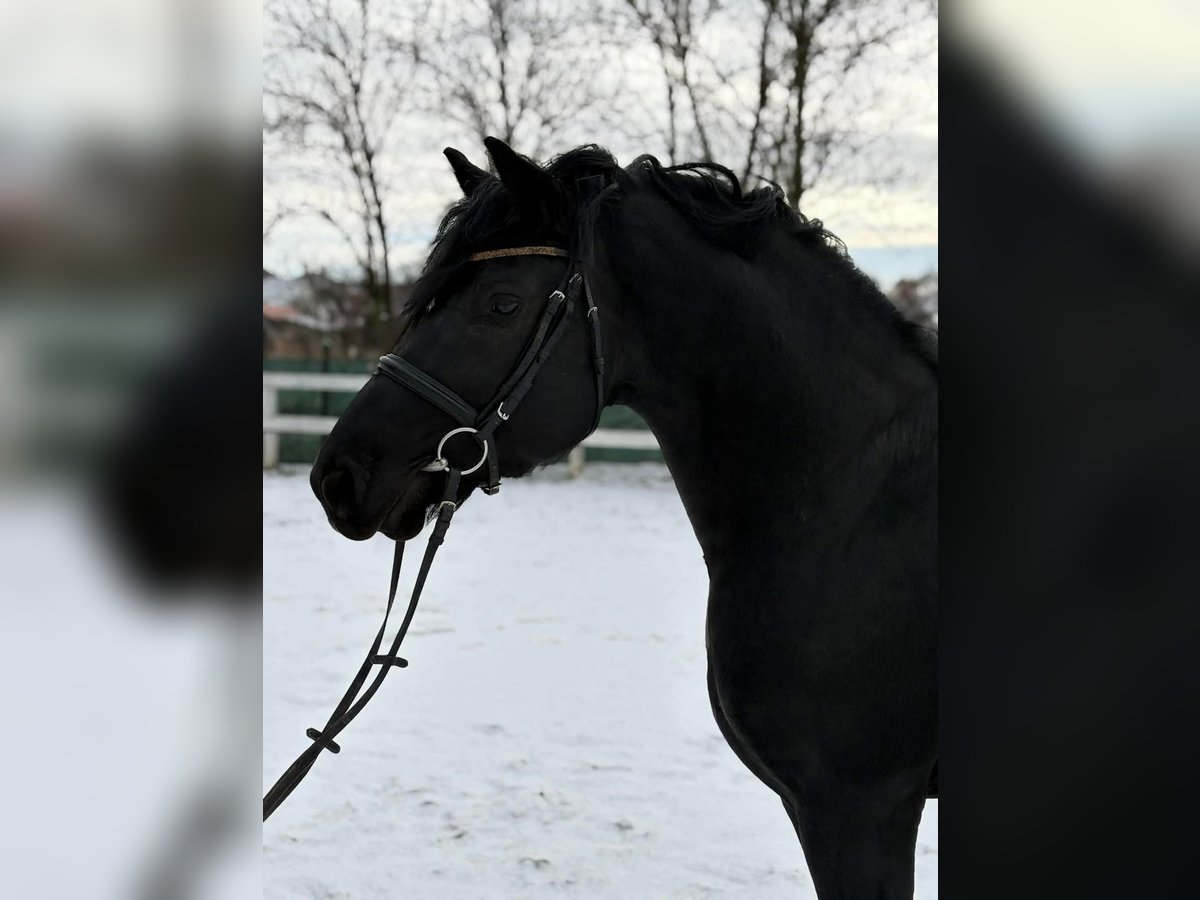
671 26
521 70
827 42
348 81
771 84
795 91
334 88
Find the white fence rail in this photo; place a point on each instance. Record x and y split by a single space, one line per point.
275 424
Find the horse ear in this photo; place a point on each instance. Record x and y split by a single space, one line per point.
531 186
469 175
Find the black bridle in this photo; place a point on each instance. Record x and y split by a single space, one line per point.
482 426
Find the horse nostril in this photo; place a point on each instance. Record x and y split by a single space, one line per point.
339 490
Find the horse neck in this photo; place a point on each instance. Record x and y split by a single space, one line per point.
766 383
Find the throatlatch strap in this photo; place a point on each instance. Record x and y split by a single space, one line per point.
593 317
351 703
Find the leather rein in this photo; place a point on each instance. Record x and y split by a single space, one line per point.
481 425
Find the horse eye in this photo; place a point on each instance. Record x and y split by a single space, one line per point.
505 307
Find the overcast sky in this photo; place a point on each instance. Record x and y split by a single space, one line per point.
891 230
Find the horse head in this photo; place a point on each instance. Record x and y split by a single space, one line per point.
496 283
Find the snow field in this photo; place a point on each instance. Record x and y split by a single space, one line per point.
552 735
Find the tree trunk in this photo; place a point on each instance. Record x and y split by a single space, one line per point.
765 80
795 182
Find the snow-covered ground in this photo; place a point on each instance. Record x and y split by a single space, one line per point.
551 736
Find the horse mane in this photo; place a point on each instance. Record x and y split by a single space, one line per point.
709 195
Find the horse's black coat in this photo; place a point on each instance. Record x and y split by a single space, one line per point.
798 413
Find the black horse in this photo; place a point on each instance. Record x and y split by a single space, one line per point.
797 411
